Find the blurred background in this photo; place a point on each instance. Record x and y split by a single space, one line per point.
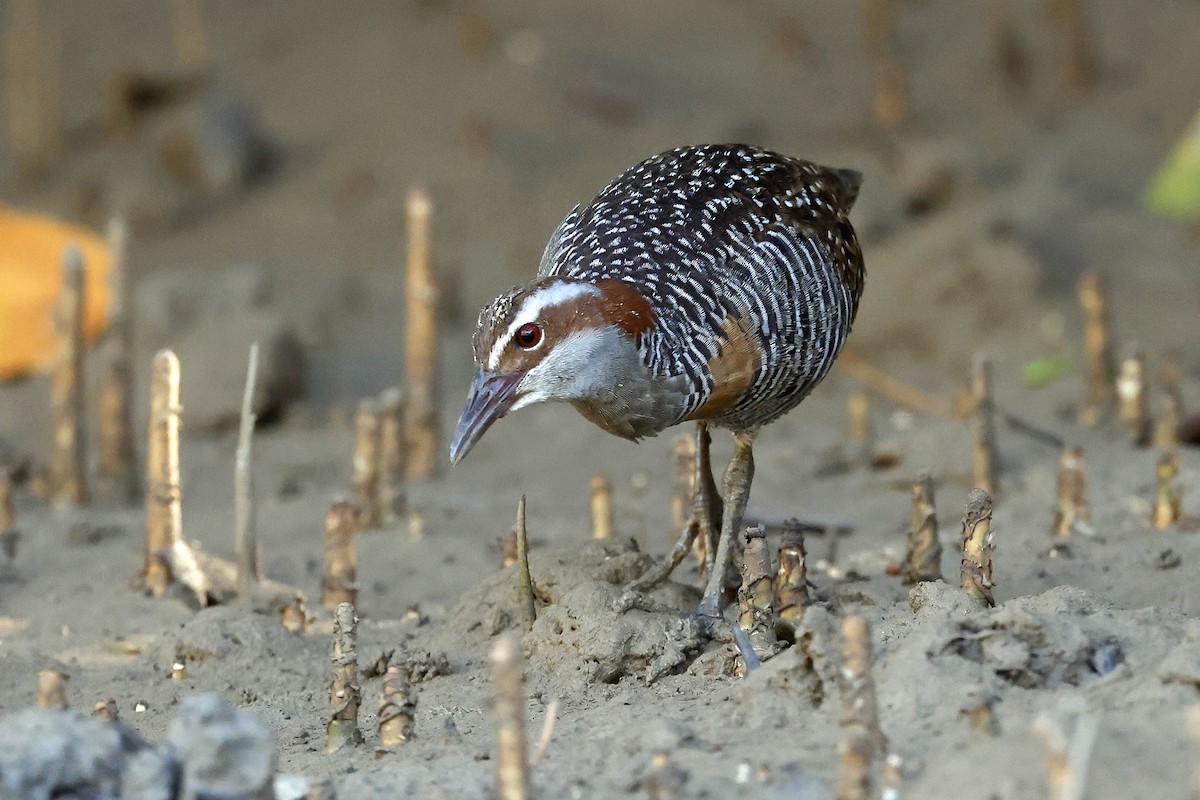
261 152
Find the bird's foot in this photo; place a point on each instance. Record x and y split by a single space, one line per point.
713 626
708 616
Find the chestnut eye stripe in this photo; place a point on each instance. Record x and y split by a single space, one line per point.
532 309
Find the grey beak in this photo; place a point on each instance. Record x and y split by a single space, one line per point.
492 395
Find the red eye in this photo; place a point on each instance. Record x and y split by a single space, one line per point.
528 335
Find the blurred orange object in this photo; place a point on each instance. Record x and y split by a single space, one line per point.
31 248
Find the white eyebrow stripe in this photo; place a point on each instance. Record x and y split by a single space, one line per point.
532 307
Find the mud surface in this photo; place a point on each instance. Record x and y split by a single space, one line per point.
977 215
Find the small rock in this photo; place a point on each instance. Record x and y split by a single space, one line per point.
226 752
62 754
221 632
150 775
1164 558
939 597
291 787
232 149
213 357
1106 656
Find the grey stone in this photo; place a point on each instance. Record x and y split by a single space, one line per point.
223 632
64 754
150 775
225 751
291 787
232 148
213 355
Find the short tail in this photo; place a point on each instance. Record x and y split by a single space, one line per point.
849 181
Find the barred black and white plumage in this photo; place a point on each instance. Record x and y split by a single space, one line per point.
715 283
721 232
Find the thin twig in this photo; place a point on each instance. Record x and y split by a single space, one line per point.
528 608
246 531
543 743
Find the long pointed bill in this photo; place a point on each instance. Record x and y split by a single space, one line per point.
492 396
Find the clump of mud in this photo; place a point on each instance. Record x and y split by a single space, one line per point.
590 628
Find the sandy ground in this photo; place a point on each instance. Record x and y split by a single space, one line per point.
509 114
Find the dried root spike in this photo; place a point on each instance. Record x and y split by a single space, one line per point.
602 507
1071 483
393 455
421 343
52 690
891 101
106 710
1168 496
398 709
976 571
858 414
341 563
1133 407
68 468
683 459
367 443
791 580
345 696
756 596
862 744
512 765
1067 754
294 615
923 557
117 451
984 460
1079 72
1098 349
7 515
164 520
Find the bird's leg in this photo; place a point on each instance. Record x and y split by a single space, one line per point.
698 532
737 481
706 502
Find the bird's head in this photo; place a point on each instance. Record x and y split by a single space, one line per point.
552 339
